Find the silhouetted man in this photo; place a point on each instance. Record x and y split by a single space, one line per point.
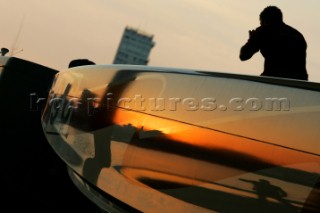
283 47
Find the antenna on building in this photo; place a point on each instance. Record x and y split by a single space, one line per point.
145 25
17 38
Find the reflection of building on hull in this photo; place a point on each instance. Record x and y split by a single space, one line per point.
192 160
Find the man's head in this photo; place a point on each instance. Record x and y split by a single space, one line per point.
80 62
271 15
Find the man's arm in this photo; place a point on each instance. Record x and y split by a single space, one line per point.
250 48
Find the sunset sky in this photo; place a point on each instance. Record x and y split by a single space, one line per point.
195 34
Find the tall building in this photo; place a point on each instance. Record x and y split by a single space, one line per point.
134 47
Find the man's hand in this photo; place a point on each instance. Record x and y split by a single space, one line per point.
251 32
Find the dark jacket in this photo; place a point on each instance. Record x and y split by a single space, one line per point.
283 47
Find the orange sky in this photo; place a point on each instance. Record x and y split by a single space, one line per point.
196 34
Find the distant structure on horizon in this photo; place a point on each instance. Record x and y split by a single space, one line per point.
4 51
134 47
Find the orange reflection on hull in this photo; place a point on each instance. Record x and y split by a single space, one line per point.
239 154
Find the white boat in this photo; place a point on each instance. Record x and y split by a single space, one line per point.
152 139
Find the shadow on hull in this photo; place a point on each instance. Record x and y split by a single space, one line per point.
33 177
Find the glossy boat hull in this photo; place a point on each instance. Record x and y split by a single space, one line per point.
173 140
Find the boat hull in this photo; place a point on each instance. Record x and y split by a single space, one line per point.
164 140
